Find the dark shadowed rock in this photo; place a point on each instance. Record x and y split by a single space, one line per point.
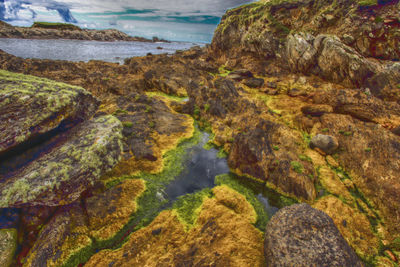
326 143
302 236
61 175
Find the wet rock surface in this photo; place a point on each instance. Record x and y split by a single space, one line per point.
302 236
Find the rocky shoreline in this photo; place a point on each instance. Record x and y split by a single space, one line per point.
42 30
302 97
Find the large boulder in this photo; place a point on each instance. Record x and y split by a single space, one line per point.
58 177
299 235
31 106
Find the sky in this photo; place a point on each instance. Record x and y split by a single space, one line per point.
176 20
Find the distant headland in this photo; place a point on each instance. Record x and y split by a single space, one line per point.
50 30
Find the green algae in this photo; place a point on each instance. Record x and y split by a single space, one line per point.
230 181
82 256
375 220
222 154
151 202
188 206
297 167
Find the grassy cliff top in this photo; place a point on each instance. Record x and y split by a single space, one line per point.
54 25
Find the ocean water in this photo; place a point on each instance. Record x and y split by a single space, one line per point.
77 50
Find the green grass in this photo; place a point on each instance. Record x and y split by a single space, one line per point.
54 25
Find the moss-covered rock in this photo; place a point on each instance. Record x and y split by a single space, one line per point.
75 231
8 246
222 235
352 224
63 241
110 211
34 106
60 176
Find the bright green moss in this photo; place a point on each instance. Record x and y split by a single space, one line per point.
365 3
229 180
127 124
297 166
305 158
188 207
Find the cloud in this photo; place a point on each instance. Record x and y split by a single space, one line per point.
165 18
16 10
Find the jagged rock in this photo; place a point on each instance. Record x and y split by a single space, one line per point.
61 175
253 154
328 144
32 106
360 105
8 246
302 236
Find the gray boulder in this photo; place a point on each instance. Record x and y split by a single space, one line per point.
299 235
